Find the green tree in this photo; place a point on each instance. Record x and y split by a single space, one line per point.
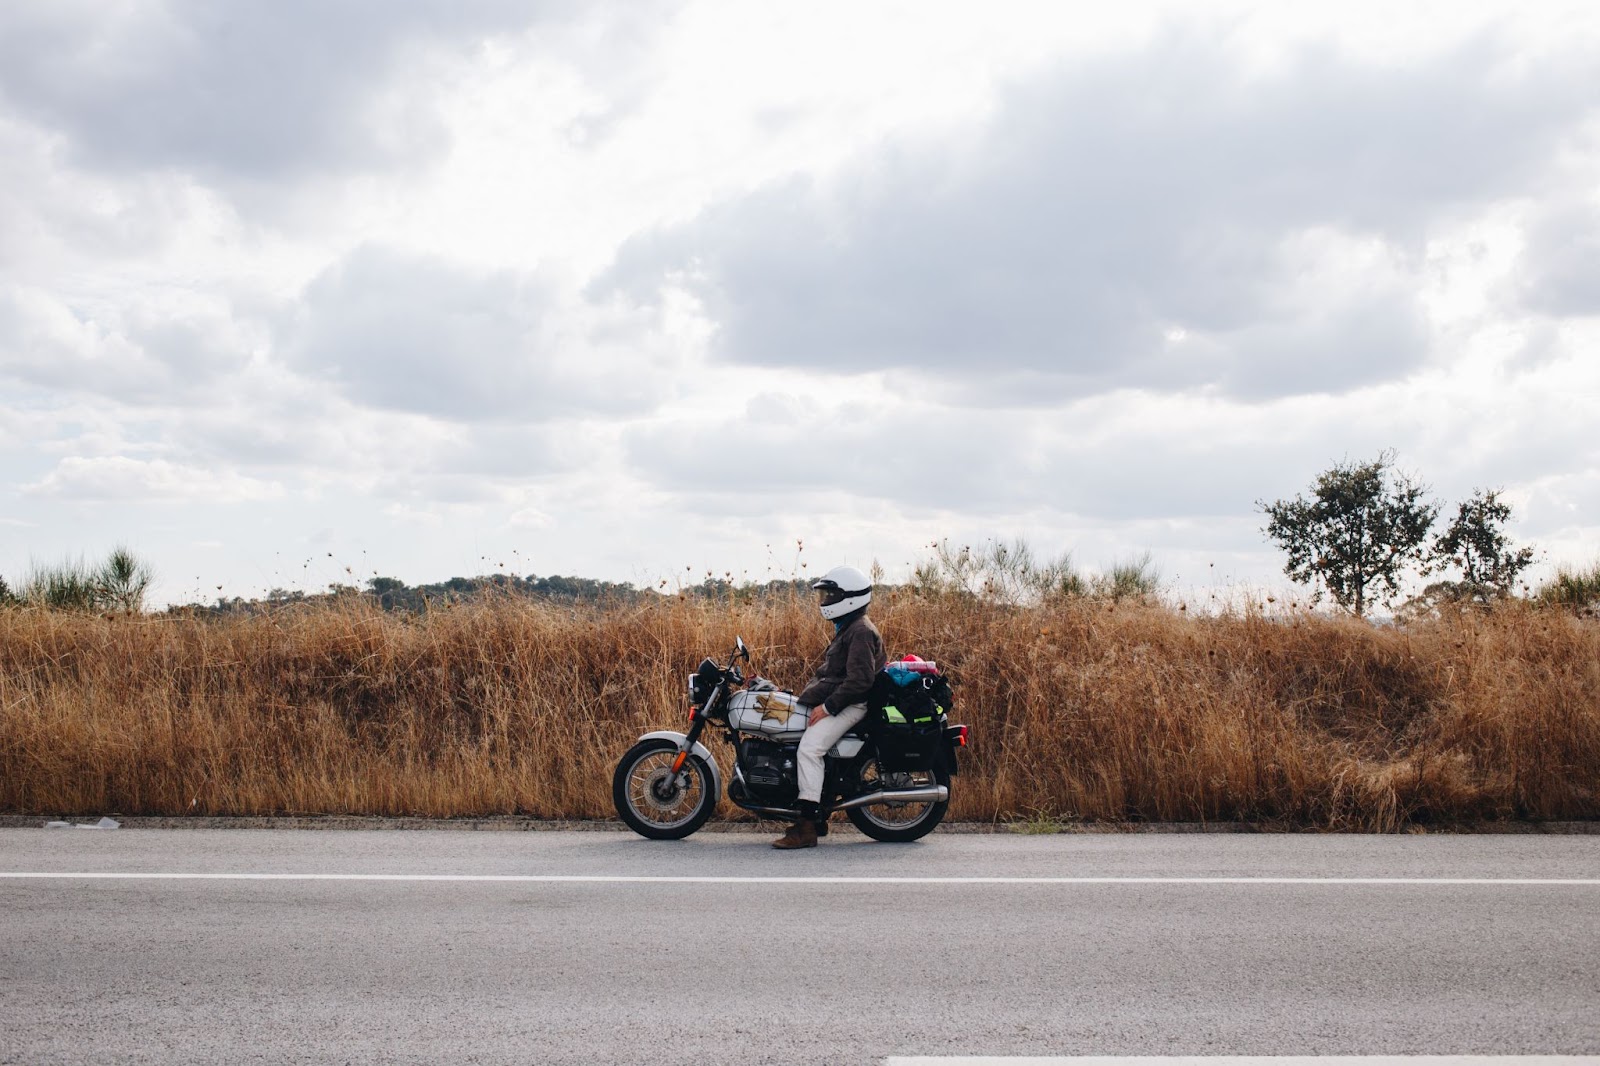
1475 543
123 580
1362 527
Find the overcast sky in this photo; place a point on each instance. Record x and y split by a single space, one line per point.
294 292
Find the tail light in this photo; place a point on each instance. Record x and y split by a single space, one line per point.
957 734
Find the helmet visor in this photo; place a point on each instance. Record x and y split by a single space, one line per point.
828 595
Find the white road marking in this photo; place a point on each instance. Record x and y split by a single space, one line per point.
626 879
1249 1060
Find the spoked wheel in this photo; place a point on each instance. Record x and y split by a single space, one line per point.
899 823
656 803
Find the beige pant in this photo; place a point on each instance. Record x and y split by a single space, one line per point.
814 744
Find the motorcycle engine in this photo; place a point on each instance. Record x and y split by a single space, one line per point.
769 770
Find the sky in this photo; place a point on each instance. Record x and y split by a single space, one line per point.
299 292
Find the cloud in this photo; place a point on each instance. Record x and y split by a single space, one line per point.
413 516
46 343
119 479
412 332
43 342
143 355
1118 458
1272 221
239 90
530 518
1561 278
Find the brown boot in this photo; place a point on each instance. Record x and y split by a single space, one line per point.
802 834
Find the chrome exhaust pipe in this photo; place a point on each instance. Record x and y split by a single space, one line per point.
930 794
775 812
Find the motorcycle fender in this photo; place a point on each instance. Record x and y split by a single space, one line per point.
952 746
699 750
951 763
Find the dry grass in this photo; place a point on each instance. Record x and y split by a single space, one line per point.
1079 711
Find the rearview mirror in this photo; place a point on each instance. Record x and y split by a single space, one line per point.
742 651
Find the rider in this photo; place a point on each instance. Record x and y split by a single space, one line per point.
836 698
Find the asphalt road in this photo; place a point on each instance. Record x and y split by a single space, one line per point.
603 947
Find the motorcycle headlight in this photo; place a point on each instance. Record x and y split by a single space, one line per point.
702 681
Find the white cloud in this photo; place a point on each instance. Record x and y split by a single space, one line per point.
1277 218
1563 249
179 348
287 86
412 333
43 342
419 516
109 479
530 518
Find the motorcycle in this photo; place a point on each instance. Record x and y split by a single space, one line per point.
892 783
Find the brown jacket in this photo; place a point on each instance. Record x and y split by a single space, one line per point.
849 667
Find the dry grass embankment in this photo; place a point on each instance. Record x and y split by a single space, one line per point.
1078 711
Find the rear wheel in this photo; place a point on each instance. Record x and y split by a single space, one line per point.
898 823
655 802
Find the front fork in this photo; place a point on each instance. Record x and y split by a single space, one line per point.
679 778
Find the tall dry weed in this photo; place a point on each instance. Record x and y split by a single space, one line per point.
1078 709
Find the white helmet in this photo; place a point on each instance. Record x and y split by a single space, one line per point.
844 590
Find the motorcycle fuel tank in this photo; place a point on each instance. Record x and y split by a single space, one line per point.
775 714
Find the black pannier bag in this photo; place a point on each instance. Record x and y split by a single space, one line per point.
908 719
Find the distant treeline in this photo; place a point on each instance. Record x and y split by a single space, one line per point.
393 594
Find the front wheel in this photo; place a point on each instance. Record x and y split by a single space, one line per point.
656 803
899 823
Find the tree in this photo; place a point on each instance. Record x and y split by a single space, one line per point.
1358 531
123 580
1476 544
